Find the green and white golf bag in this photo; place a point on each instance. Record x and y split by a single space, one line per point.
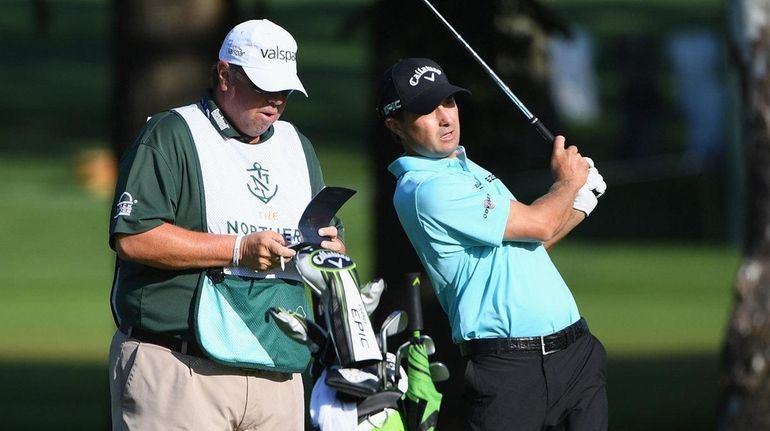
359 384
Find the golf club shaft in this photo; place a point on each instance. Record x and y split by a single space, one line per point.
541 129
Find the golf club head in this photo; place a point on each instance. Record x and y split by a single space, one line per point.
392 375
438 372
400 352
391 368
430 346
395 323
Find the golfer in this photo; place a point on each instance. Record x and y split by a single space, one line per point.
531 362
206 199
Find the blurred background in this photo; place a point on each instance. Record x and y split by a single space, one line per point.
641 86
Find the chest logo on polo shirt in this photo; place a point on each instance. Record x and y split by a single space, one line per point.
260 183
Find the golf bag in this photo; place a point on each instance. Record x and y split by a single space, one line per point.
359 384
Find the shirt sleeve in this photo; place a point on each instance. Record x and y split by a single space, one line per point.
457 210
147 194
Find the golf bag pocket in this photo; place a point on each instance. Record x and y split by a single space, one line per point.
232 328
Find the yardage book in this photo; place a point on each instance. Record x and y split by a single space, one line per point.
319 213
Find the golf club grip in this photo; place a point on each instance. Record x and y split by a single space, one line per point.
414 303
542 130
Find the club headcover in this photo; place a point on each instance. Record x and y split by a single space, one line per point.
352 381
333 277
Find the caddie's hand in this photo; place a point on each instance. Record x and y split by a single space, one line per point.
587 197
567 164
264 250
334 243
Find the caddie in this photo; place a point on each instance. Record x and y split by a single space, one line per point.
206 200
531 362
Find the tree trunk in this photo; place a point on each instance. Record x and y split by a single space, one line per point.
745 373
162 55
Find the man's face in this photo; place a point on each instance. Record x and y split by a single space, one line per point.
434 135
250 109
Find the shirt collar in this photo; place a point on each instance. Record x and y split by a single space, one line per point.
222 124
406 163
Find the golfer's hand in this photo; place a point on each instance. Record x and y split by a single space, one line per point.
587 197
567 165
334 243
595 181
264 250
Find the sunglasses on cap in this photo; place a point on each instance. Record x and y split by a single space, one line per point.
239 69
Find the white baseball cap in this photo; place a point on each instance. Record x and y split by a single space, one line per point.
266 52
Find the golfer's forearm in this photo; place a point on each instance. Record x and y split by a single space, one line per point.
543 219
559 201
575 218
171 247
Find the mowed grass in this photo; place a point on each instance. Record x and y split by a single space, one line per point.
673 298
55 265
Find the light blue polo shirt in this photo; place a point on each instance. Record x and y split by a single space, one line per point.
454 213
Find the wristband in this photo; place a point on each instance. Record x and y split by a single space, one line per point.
237 250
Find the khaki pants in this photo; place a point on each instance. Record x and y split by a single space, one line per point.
153 388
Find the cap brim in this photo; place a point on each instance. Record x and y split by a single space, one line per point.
271 81
426 102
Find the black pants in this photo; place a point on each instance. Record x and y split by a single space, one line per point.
526 391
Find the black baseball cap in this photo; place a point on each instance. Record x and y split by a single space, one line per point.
417 85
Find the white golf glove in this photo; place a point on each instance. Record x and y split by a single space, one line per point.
587 197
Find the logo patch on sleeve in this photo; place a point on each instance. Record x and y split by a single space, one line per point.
125 205
488 205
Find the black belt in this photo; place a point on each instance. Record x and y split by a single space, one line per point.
172 343
545 344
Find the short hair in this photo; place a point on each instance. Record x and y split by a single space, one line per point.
398 116
214 77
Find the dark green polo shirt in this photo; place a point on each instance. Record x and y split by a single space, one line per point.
160 181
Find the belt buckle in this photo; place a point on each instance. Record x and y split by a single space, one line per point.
542 347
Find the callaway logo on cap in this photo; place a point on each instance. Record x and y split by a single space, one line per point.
266 52
416 85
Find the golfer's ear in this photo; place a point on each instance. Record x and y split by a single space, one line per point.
393 125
